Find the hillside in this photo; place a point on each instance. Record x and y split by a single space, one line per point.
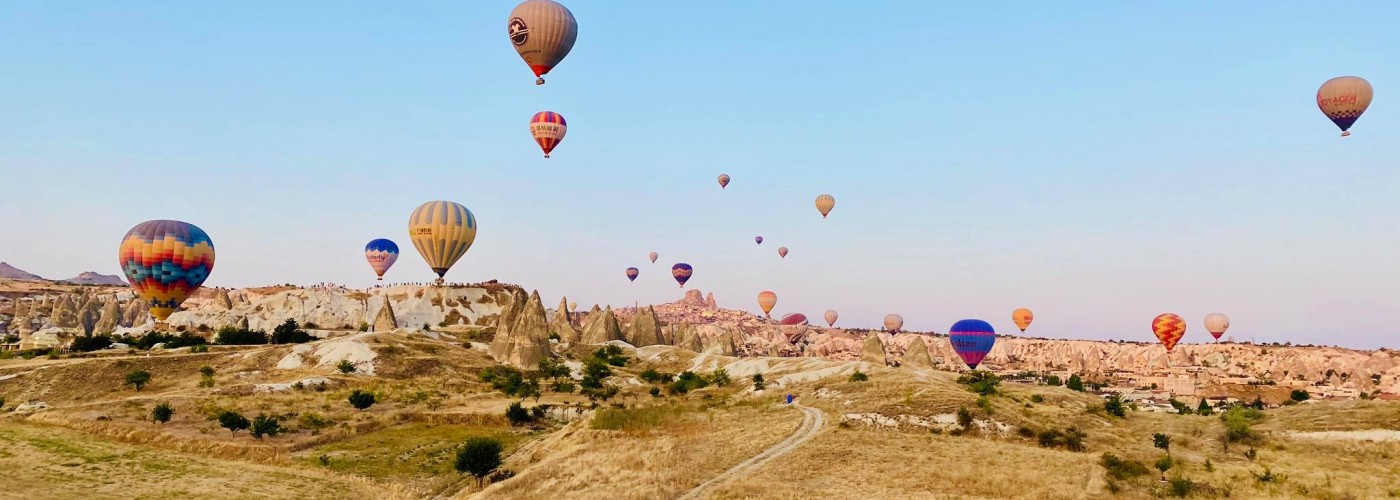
92 278
10 272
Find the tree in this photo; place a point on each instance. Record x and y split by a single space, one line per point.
1258 403
720 377
138 378
206 371
162 413
517 414
361 399
1163 464
289 332
981 382
1299 395
1114 406
758 381
964 418
479 456
857 376
233 421
1204 408
264 425
1237 424
345 366
1053 380
1162 442
1075 383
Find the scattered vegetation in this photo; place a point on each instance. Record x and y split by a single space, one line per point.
231 335
345 366
361 399
161 413
1053 381
1071 439
981 382
858 376
479 456
233 421
1113 405
89 343
720 377
611 354
1036 398
138 378
1120 469
687 381
1299 395
289 332
758 381
517 414
1238 425
1075 383
264 425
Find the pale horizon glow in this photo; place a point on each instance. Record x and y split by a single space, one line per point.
1097 163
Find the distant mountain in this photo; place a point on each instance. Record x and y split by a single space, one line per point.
91 278
10 272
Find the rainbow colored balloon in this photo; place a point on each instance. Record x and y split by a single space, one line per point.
1169 328
681 271
548 129
972 339
381 254
632 273
165 261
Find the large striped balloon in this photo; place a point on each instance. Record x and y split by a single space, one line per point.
632 273
1169 328
1343 99
442 231
543 32
766 300
972 339
548 128
165 261
381 254
681 272
793 319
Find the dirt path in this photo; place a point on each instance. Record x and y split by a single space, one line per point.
812 421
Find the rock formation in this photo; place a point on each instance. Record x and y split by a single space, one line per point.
136 313
527 341
383 320
916 355
110 319
501 343
873 351
602 329
561 326
222 301
685 336
710 302
645 330
722 345
88 314
64 314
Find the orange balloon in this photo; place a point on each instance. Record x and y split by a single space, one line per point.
1169 328
766 301
1023 318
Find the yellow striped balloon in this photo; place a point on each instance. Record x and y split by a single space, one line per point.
766 300
442 231
825 203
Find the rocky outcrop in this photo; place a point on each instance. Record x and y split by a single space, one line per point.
710 302
528 338
64 314
916 355
645 330
501 343
873 351
561 326
89 313
222 302
685 336
383 321
110 318
601 327
722 345
137 312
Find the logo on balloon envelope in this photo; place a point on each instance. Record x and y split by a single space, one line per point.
519 33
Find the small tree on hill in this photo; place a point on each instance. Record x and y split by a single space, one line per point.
1075 383
1164 464
1204 408
162 413
479 456
264 425
289 332
361 399
517 414
345 366
1053 380
1299 395
758 381
1114 406
1162 442
720 377
138 378
233 421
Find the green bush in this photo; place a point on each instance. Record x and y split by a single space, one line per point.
857 376
479 456
552 369
89 343
1074 439
1075 383
233 421
264 425
199 348
1053 380
361 399
594 372
687 381
655 392
981 382
517 414
565 386
1163 464
206 371
161 413
1114 406
1162 442
758 383
964 418
653 376
289 332
231 335
345 366
611 354
313 421
1036 398
138 378
1204 408
1238 424
1299 395
720 377
985 404
1121 469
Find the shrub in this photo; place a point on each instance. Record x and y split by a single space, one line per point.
720 377
138 378
289 332
594 371
1298 395
758 381
1251 454
264 425
517 414
161 413
564 386
1050 438
611 354
687 381
1204 408
858 377
1036 398
1163 464
233 421
1238 422
985 404
964 418
1162 442
537 412
551 369
655 392
345 366
1121 469
89 343
1267 476
1053 380
361 399
1074 439
1114 406
603 392
314 421
500 475
199 348
981 382
230 335
479 456
650 375
206 371
1210 467
1026 432
1075 383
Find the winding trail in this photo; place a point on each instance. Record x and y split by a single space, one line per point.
812 421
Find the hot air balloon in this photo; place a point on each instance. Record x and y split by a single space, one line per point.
548 128
543 32
758 240
782 252
1216 324
793 319
1023 318
793 331
723 181
165 261
830 317
1169 328
573 306
681 271
381 254
766 300
972 339
1343 99
632 273
653 257
893 322
825 203
442 231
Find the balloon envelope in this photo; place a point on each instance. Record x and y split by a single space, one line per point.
793 319
758 239
548 129
543 32
381 254
893 322
1344 99
782 252
442 231
830 317
165 261
632 273
681 271
766 301
972 339
1169 328
653 257
1216 324
723 181
1023 318
825 203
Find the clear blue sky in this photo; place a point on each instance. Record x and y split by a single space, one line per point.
1099 162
